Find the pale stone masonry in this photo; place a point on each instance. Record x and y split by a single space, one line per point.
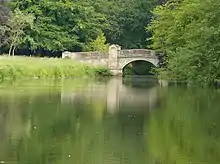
116 58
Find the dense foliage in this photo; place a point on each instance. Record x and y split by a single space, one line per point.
60 25
188 32
126 21
75 25
4 15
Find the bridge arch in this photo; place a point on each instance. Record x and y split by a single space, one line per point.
125 62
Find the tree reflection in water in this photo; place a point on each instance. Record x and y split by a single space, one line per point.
84 124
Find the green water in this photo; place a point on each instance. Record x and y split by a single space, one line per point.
108 122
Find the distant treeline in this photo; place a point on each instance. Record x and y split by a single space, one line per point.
72 25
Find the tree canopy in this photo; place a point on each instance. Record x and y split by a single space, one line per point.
60 25
188 32
72 25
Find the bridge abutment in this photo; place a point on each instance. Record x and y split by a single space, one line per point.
116 72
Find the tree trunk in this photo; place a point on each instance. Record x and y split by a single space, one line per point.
9 53
13 51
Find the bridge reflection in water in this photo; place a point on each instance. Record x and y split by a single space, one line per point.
125 108
118 91
74 128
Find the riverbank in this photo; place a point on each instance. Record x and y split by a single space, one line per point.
32 67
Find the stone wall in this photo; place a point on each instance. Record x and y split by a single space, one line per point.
83 55
93 58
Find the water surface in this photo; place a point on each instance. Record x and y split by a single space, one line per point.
113 121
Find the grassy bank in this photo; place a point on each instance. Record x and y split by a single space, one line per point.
31 67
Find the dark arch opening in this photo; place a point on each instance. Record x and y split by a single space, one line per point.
138 67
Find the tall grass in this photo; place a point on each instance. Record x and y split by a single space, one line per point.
31 67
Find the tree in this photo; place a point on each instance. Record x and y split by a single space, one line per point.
99 44
71 25
126 21
14 28
60 25
188 31
4 15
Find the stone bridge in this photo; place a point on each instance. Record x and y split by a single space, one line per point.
116 58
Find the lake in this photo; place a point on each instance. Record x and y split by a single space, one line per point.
108 121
